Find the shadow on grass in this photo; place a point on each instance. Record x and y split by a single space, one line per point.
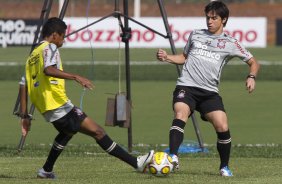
6 176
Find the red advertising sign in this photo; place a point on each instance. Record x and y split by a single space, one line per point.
106 34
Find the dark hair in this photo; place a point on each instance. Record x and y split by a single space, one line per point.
219 8
53 25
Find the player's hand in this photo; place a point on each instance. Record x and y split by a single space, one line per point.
84 82
25 125
250 84
161 55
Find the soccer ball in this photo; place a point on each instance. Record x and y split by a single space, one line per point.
161 164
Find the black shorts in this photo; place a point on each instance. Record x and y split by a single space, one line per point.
70 123
198 99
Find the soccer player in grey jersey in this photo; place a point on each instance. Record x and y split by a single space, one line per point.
205 54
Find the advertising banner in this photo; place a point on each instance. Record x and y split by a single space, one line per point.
105 34
17 32
250 31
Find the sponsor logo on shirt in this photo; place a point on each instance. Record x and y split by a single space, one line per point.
201 49
241 49
221 43
54 82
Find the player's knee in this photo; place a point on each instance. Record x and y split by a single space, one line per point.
221 127
181 115
99 133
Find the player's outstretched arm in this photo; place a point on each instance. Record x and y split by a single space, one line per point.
175 59
54 72
25 119
254 68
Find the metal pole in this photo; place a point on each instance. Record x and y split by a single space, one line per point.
169 35
43 17
197 131
164 16
116 5
125 38
63 9
137 8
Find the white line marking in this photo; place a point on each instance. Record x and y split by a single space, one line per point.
138 63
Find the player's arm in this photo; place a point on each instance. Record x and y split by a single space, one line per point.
25 119
175 59
54 72
253 71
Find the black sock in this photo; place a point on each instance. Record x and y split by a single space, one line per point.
176 135
223 147
58 146
115 150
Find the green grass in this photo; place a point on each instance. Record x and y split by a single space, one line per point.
89 164
250 115
108 170
137 72
254 121
19 54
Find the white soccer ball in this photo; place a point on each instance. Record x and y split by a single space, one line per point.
161 164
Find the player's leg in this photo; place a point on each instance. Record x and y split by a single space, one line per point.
91 128
67 126
219 121
176 133
212 110
60 142
181 99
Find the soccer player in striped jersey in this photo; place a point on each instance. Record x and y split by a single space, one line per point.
45 81
204 56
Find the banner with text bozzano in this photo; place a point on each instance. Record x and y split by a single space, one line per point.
106 33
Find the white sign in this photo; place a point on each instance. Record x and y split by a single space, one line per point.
17 32
251 32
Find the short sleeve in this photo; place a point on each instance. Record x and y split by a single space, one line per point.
50 55
241 52
22 81
188 44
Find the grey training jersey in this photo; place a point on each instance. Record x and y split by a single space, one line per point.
206 56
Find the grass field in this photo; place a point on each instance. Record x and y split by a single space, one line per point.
254 123
8 54
250 115
96 64
107 170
